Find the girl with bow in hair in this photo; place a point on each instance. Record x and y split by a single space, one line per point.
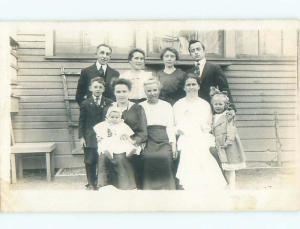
228 143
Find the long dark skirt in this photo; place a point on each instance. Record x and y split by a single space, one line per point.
157 157
104 168
123 176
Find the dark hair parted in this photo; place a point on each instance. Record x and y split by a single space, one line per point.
121 81
99 80
170 49
192 76
104 45
195 41
131 53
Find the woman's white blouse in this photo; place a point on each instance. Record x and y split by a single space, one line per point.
161 114
193 115
137 80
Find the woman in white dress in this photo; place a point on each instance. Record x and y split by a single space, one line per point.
198 170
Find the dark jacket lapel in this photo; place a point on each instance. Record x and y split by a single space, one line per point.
204 72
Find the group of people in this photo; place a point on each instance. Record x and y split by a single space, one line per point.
173 130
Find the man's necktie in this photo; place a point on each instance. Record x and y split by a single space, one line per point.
101 71
197 69
97 101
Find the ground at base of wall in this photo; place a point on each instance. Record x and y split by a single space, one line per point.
246 179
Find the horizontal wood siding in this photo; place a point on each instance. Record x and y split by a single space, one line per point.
259 89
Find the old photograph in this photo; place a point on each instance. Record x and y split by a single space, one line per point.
131 116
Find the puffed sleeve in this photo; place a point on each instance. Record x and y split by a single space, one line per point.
141 134
170 123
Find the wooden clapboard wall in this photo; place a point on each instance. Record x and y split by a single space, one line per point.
259 87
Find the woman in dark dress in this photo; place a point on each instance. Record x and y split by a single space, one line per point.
161 143
172 83
171 78
134 116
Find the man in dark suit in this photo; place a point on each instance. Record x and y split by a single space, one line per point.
209 74
92 112
99 69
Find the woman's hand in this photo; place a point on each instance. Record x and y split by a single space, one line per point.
82 143
174 149
131 153
108 154
179 132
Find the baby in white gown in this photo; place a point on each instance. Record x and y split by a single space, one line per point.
113 135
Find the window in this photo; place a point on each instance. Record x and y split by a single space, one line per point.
212 40
266 43
84 42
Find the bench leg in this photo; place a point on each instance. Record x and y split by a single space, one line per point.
19 166
52 164
48 166
231 179
13 168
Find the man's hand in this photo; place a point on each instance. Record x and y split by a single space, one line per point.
82 143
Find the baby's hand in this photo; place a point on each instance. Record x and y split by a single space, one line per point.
98 138
124 137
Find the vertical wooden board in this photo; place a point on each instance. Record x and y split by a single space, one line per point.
213 41
270 42
247 42
289 40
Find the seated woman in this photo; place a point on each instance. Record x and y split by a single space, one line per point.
134 116
137 75
161 143
198 169
171 78
112 143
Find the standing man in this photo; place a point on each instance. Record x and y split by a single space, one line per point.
99 69
209 74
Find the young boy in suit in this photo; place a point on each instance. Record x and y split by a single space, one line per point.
91 113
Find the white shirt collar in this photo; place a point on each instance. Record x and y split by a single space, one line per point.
94 97
98 65
201 63
130 104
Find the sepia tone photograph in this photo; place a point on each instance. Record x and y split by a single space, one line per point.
149 116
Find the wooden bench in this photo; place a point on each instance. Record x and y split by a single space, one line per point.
32 148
